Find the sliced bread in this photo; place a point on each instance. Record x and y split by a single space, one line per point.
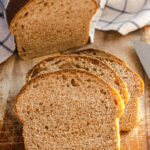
69 109
92 65
132 80
44 27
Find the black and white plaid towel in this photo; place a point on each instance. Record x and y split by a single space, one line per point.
123 16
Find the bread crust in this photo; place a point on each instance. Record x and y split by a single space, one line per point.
13 8
25 5
101 51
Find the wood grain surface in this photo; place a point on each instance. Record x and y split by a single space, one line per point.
12 78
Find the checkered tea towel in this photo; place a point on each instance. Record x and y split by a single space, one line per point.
123 16
7 44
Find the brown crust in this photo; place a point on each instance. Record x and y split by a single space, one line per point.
13 8
104 52
117 133
114 92
120 61
98 62
25 5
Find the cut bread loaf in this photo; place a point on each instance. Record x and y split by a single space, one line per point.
44 27
74 110
92 65
132 80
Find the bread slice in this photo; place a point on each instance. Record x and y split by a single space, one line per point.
83 63
132 80
69 109
44 27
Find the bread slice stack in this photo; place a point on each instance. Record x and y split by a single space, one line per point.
78 101
85 63
132 80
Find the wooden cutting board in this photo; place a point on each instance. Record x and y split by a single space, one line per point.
12 77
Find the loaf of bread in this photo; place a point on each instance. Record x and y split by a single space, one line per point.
43 27
74 110
132 80
89 64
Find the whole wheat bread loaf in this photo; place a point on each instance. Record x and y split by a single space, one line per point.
132 80
92 65
43 27
69 109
